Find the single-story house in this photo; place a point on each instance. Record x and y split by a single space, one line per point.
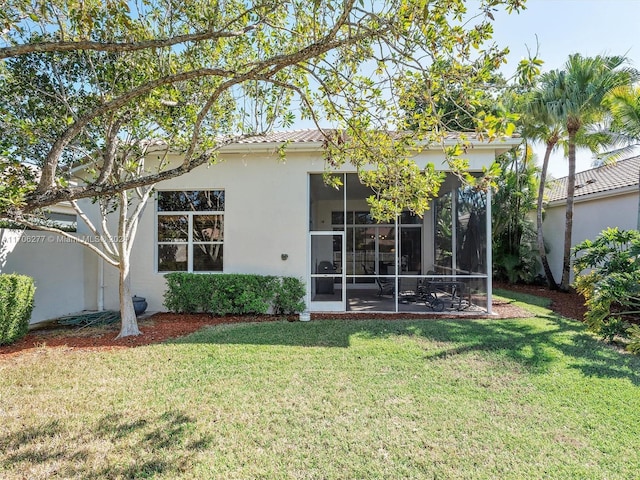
254 212
606 196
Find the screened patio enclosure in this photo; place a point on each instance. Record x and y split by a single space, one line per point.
437 262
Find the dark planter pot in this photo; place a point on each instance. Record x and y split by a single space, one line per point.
139 304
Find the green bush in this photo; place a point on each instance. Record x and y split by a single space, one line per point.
612 328
237 294
232 294
16 304
634 339
608 275
289 296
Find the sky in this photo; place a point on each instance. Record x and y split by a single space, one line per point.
558 28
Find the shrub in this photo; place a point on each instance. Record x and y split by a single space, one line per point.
232 294
239 294
187 292
289 296
16 304
611 284
612 328
634 335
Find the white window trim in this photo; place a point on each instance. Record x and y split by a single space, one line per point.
190 242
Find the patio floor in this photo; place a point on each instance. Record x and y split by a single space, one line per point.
368 300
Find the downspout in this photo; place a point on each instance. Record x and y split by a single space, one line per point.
101 285
100 291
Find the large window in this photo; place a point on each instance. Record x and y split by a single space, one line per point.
190 230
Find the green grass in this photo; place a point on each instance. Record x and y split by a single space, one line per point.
526 398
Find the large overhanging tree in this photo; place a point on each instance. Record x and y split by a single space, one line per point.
86 84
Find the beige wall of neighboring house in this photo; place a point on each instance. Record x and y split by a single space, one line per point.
56 265
605 197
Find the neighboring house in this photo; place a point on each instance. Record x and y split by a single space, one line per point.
606 196
255 213
56 265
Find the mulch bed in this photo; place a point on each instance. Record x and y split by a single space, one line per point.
163 326
568 304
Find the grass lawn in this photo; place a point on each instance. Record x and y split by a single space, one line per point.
497 399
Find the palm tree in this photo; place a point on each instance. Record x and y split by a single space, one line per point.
514 250
624 125
624 105
574 97
539 126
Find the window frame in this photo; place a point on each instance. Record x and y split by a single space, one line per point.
190 242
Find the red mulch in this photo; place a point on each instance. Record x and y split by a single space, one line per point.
568 304
163 326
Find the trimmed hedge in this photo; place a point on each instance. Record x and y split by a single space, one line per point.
16 304
233 294
289 297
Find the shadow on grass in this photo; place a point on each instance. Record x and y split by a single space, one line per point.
137 448
535 343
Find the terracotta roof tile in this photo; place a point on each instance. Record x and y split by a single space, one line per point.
295 136
314 135
608 178
311 135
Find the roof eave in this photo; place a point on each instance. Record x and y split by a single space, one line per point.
595 195
500 146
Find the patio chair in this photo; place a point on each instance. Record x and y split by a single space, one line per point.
386 286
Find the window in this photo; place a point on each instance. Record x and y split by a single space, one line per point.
190 230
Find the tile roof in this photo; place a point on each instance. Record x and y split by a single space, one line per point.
313 135
608 178
296 136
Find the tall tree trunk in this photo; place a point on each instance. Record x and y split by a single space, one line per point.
568 228
551 282
129 321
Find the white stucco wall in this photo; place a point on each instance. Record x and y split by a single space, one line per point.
266 211
266 215
56 266
590 217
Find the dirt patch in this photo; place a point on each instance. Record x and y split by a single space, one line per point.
163 326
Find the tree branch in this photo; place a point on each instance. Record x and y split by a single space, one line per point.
107 248
40 200
49 47
47 179
110 153
73 238
275 64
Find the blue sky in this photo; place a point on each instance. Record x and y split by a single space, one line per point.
558 28
563 27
